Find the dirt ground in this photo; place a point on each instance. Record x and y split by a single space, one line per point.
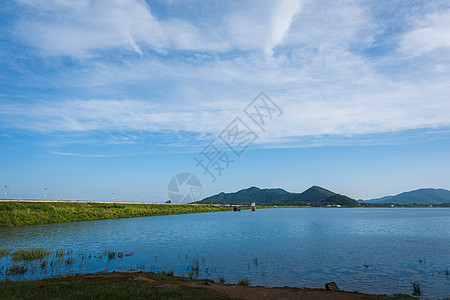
233 291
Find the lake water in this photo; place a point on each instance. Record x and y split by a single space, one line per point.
370 250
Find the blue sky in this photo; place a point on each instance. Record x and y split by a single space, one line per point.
103 97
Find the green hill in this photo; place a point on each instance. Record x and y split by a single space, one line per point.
247 196
420 196
314 196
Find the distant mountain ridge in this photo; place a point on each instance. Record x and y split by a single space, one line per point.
420 196
314 196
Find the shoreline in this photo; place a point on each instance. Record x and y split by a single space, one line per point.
145 285
31 212
90 201
19 212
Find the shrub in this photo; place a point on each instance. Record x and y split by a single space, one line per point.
244 281
416 289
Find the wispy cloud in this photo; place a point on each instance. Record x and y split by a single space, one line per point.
82 27
262 24
430 33
400 108
83 155
336 68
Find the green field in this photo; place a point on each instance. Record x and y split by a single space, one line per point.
28 213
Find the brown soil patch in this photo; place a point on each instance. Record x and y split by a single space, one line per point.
233 291
275 293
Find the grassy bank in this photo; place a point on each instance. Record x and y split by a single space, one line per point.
27 213
158 286
107 286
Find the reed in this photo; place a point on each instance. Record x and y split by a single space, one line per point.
417 291
30 254
16 270
244 281
4 252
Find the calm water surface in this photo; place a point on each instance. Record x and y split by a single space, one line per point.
369 250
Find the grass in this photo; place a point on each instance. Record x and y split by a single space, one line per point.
107 286
194 267
30 254
4 252
417 291
35 258
384 297
110 254
140 285
168 273
244 281
255 262
28 213
17 270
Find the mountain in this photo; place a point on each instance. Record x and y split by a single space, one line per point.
420 196
385 199
247 196
314 196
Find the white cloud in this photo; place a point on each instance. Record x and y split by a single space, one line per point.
432 32
325 86
77 28
330 24
393 108
262 24
102 115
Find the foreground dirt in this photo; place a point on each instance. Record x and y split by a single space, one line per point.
122 285
232 291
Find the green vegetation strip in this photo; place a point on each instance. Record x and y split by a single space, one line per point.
107 286
28 213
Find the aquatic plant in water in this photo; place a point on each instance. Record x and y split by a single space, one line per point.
30 254
15 270
416 289
4 252
244 281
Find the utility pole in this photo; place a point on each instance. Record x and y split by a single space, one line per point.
6 190
112 196
45 192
